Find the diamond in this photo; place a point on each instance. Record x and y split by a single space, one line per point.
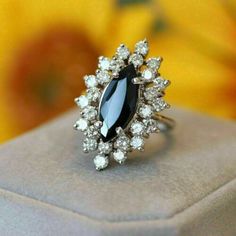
161 83
119 156
147 74
100 161
137 128
90 144
81 124
104 147
145 111
154 63
104 63
136 60
103 77
151 126
90 81
160 105
93 94
89 113
123 52
137 143
122 143
82 101
91 131
152 93
116 65
141 47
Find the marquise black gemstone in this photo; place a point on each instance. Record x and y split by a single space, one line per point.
119 102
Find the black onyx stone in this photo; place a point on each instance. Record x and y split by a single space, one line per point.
119 102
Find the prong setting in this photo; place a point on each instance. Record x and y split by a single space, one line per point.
150 101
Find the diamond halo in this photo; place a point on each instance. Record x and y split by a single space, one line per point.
141 122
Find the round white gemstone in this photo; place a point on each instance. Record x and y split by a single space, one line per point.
123 52
145 111
119 156
147 74
136 60
91 131
161 83
103 77
142 47
90 144
82 101
160 105
116 65
104 147
89 113
100 161
151 126
81 124
137 128
93 94
90 81
154 63
122 143
150 93
104 63
137 143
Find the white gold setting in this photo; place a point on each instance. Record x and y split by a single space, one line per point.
150 102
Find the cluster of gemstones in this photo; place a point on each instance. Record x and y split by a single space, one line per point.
140 122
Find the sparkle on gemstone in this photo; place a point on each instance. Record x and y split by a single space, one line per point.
159 105
100 161
93 94
91 131
123 52
145 111
136 59
119 102
137 128
81 124
154 63
104 63
137 143
142 47
82 101
89 113
151 126
103 77
122 143
119 156
152 93
147 74
90 81
161 83
116 64
104 147
90 144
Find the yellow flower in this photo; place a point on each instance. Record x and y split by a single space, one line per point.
196 39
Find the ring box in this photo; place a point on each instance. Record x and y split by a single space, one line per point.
184 183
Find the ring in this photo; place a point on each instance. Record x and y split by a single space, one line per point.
122 103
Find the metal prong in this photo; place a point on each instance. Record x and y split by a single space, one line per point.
119 131
137 80
141 149
76 100
167 106
167 83
98 124
75 126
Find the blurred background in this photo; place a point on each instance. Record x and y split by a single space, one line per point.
47 46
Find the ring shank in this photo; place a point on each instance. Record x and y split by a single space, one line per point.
165 123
